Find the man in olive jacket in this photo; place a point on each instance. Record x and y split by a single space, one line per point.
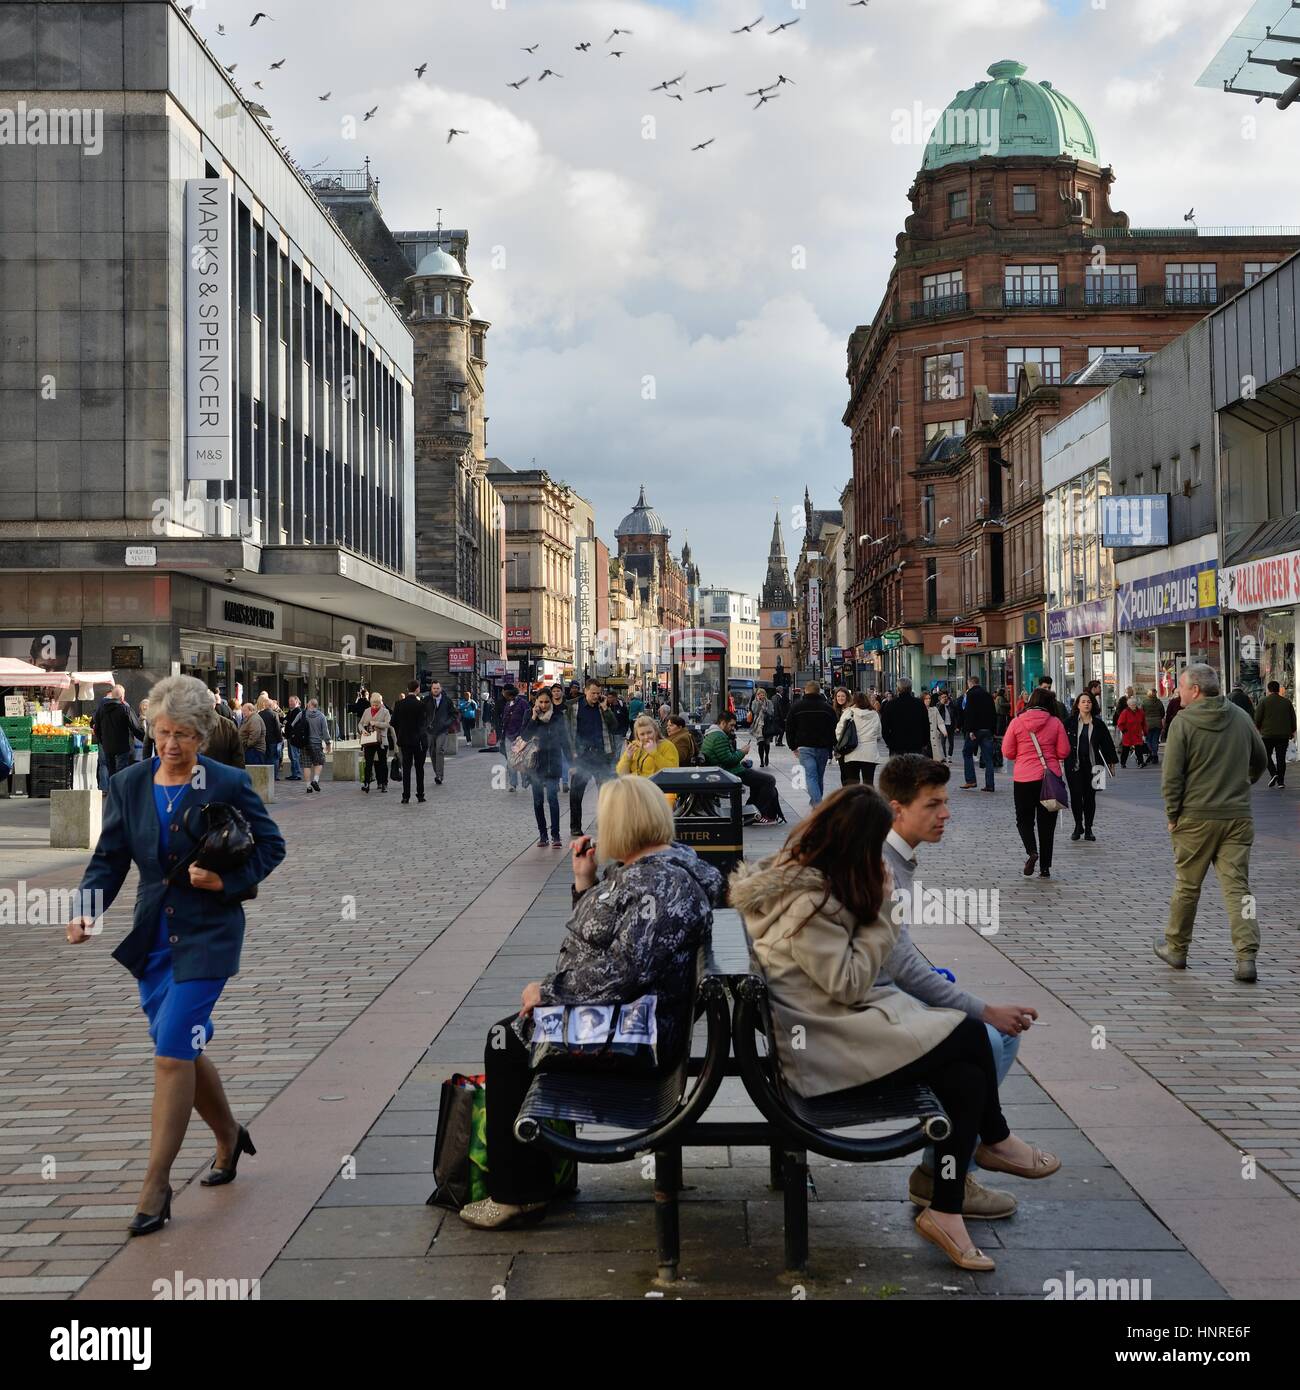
1212 756
1275 720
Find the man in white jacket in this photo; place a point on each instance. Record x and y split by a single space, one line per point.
916 788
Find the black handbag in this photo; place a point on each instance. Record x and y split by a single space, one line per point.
223 841
395 767
848 738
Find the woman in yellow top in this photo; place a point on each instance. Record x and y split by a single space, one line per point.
649 752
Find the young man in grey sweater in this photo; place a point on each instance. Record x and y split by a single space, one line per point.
916 789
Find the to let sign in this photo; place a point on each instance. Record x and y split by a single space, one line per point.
460 658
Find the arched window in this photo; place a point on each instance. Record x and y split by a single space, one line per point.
437 304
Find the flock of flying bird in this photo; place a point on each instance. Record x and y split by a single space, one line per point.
764 94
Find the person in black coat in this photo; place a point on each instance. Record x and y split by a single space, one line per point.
440 714
408 727
905 722
274 733
116 727
546 730
979 718
1091 747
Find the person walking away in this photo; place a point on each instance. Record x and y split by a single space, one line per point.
1037 742
1213 755
188 926
295 735
223 745
634 707
905 722
1172 706
718 750
781 713
978 716
1239 698
760 725
938 732
318 742
1091 750
514 715
372 728
917 791
116 726
1132 726
274 734
1058 709
1276 722
593 741
648 753
1001 712
439 719
547 737
252 735
408 726
1153 711
680 736
859 763
810 735
468 710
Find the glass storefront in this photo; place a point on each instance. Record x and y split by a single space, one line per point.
1171 657
1266 650
1142 654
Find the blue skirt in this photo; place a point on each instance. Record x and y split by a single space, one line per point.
180 1015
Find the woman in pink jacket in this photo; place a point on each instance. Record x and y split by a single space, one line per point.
1038 722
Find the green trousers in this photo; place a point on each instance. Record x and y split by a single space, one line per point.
1225 844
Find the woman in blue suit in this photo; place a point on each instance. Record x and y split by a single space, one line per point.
186 937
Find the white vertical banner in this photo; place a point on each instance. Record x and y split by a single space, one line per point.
584 604
209 332
815 626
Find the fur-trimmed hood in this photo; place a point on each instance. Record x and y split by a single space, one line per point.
765 892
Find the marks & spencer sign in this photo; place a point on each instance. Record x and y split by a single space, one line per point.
209 393
251 617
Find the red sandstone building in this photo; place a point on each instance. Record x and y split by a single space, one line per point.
1013 258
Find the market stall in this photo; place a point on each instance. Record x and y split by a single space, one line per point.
52 748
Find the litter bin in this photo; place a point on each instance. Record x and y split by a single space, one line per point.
708 816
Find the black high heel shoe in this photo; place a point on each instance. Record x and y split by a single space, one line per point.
142 1224
216 1177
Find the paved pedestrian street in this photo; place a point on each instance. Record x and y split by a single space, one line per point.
392 937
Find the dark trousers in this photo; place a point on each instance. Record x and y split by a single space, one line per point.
980 742
547 788
762 791
1140 750
586 769
517 1173
376 759
117 762
1030 812
962 1074
764 748
857 772
413 759
1275 748
1083 798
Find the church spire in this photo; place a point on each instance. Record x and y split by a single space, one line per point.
777 593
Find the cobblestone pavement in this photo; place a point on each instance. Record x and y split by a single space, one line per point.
75 1076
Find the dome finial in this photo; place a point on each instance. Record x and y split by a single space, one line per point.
1007 67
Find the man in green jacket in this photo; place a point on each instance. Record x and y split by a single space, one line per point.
1213 755
1275 720
717 750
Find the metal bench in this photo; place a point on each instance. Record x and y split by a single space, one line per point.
661 1115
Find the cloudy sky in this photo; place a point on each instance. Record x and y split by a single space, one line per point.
679 317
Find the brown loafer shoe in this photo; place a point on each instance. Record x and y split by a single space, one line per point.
1042 1165
928 1229
488 1215
978 1203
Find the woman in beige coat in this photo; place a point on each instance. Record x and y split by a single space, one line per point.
372 728
813 913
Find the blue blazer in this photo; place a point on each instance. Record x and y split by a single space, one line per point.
207 929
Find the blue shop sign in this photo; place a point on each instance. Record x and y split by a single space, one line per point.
1134 521
1083 620
1176 596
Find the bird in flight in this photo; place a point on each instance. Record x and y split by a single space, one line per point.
614 33
517 85
854 3
615 52
533 49
781 80
261 14
370 113
421 70
713 88
549 73
671 82
453 132
221 29
280 64
674 96
327 95
758 91
745 28
704 145
581 47
189 10
1189 215
764 98
789 24
233 66
258 85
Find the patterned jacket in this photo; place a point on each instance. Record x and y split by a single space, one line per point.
637 931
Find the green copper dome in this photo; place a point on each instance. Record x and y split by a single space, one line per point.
1010 116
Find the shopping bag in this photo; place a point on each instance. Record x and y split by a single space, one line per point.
1054 794
462 1137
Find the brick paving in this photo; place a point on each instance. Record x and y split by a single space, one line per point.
75 1076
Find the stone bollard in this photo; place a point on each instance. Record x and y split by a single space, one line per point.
75 818
478 739
450 740
347 764
262 776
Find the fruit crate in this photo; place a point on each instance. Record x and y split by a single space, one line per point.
52 743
